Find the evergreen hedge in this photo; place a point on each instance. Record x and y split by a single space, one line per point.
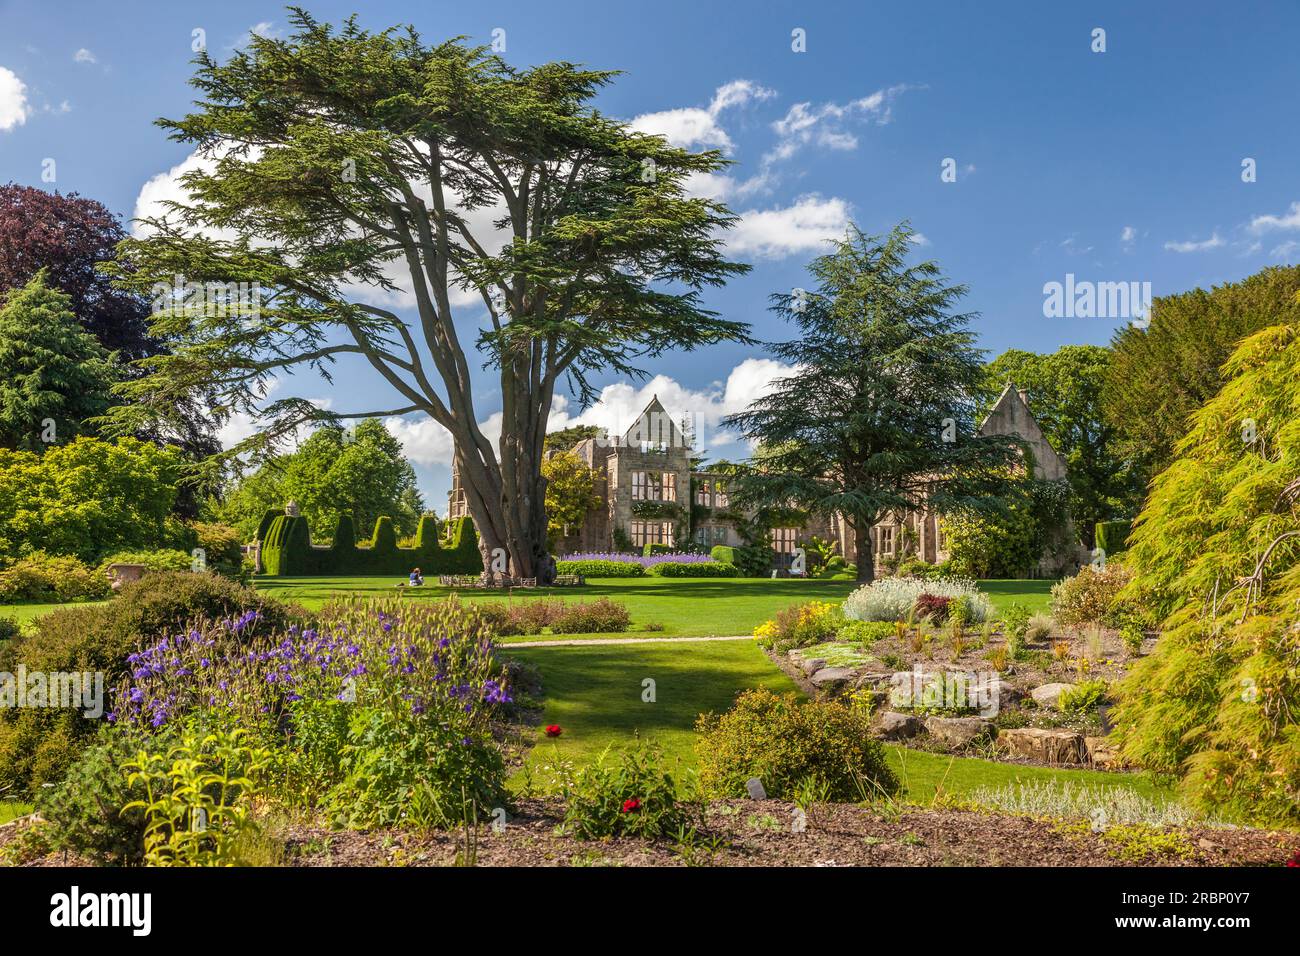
287 549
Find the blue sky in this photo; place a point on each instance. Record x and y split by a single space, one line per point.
1115 166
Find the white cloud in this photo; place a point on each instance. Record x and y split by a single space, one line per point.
84 56
920 240
808 225
1285 251
14 108
698 126
1287 221
616 409
1128 235
805 124
1214 242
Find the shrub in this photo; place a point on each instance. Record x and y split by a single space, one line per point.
700 569
1084 698
627 795
38 745
800 625
723 554
9 628
197 801
652 549
85 810
891 599
602 616
1092 596
601 569
1015 620
161 560
933 607
222 547
785 742
42 578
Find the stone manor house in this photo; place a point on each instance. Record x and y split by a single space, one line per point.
651 495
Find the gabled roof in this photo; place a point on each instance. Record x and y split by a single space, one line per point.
1010 415
656 426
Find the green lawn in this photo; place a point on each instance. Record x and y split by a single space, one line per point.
23 613
595 695
680 607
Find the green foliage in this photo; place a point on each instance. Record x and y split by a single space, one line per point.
882 337
1161 375
399 770
784 742
631 794
287 549
45 579
1015 620
85 810
1095 596
50 368
864 632
1112 536
570 493
601 569
1007 543
1064 391
692 569
167 559
87 498
197 801
222 547
37 745
1217 549
361 472
566 438
1084 698
752 561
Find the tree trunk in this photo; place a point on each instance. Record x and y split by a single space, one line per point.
866 557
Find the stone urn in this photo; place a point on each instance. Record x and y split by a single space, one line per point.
291 509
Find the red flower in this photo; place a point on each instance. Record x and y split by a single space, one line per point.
630 805
1295 859
553 730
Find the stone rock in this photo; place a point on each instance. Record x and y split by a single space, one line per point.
832 679
1101 753
895 726
1045 745
812 665
1049 695
959 731
875 679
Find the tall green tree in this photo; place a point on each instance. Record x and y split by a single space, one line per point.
54 375
334 472
1064 390
1161 374
570 493
878 415
1217 554
346 160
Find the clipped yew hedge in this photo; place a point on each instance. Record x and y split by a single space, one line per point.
287 549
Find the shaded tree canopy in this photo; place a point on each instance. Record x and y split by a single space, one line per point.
345 164
878 414
1161 374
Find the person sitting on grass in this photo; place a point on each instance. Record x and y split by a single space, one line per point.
417 579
